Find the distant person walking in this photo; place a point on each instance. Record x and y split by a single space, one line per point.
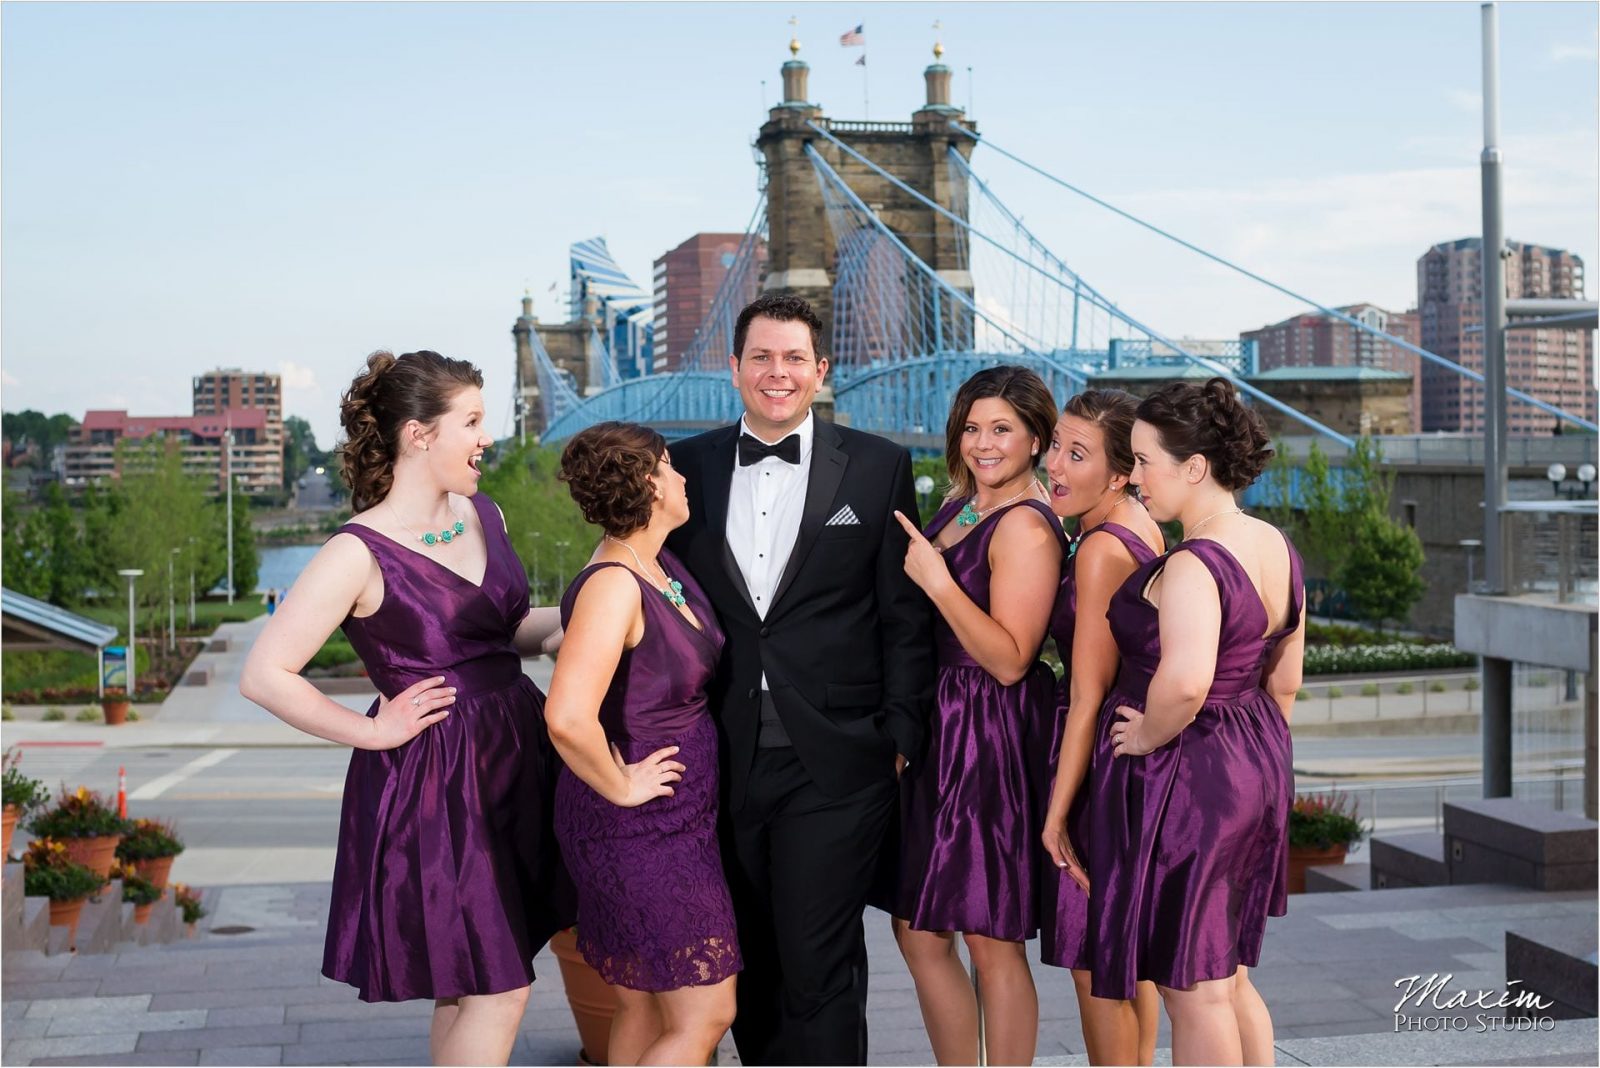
272 601
447 879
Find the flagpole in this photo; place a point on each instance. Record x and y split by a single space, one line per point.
866 100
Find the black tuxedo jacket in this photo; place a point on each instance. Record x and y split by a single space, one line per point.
847 643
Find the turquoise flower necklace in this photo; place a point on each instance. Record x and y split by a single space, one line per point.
447 535
970 516
672 591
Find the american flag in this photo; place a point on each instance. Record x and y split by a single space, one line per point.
855 37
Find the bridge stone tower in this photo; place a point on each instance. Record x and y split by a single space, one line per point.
801 250
571 349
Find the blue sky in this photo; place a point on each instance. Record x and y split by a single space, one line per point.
287 186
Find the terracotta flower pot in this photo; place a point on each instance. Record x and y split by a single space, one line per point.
155 870
592 1000
1303 857
96 854
12 812
66 914
115 709
141 913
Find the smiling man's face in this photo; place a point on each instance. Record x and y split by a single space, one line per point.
777 375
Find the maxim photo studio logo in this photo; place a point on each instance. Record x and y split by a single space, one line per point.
1462 1007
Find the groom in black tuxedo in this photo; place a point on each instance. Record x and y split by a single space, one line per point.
825 682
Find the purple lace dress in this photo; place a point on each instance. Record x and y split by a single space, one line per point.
447 879
1189 845
969 852
653 907
1063 906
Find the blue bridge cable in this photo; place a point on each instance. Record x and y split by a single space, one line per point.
1200 361
1358 324
916 262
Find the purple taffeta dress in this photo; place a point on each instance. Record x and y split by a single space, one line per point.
653 907
1063 906
447 879
1189 845
969 850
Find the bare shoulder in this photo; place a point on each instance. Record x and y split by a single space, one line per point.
608 589
1025 526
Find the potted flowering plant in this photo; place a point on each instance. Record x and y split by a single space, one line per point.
22 795
48 871
141 891
114 706
1322 830
188 902
148 850
87 824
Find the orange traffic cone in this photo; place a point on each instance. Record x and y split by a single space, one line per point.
122 792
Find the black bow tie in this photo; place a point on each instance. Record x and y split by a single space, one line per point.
754 450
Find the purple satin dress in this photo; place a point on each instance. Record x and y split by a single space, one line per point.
1189 845
447 879
969 850
653 907
1063 906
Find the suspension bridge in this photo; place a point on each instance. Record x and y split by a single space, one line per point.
922 276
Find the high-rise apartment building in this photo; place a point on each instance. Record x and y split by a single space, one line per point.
92 454
217 391
1555 365
1316 340
685 280
602 293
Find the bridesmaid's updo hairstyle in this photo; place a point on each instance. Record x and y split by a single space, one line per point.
391 392
1210 421
607 469
1113 412
1019 387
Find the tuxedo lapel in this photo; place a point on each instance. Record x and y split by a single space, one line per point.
716 476
828 462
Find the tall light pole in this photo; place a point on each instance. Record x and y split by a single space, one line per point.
130 574
227 471
536 536
1496 716
172 604
191 583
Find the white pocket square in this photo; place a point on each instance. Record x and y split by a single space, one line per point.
844 517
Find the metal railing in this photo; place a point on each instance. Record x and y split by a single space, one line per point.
1564 786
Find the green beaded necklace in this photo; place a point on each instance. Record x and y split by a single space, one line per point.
447 535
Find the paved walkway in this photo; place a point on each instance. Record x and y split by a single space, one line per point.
255 997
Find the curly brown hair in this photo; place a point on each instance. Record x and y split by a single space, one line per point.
1211 421
607 469
391 392
1019 387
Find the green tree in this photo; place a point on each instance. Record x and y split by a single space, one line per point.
540 517
1380 570
24 549
300 450
246 557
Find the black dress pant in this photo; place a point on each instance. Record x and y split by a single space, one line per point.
800 866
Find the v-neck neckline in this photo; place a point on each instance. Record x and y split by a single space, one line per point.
482 527
698 626
953 546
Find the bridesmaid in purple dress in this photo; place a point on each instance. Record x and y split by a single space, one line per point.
447 878
636 804
970 805
1090 462
1193 781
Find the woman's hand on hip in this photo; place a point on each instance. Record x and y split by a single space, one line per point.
649 779
410 712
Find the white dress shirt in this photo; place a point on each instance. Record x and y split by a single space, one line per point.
765 502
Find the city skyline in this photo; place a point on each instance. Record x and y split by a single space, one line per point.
287 187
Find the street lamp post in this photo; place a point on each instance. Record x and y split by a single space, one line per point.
227 471
561 560
130 574
536 536
924 486
172 605
191 583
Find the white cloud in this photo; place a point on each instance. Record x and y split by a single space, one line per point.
1560 53
296 377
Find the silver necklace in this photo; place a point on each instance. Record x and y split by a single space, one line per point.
1226 511
672 591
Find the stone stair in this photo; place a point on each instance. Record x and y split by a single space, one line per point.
106 925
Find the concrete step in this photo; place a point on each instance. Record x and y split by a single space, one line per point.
1555 958
1503 840
1334 878
1402 860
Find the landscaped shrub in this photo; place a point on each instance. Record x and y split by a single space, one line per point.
1396 656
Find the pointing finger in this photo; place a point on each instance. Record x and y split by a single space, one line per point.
910 527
